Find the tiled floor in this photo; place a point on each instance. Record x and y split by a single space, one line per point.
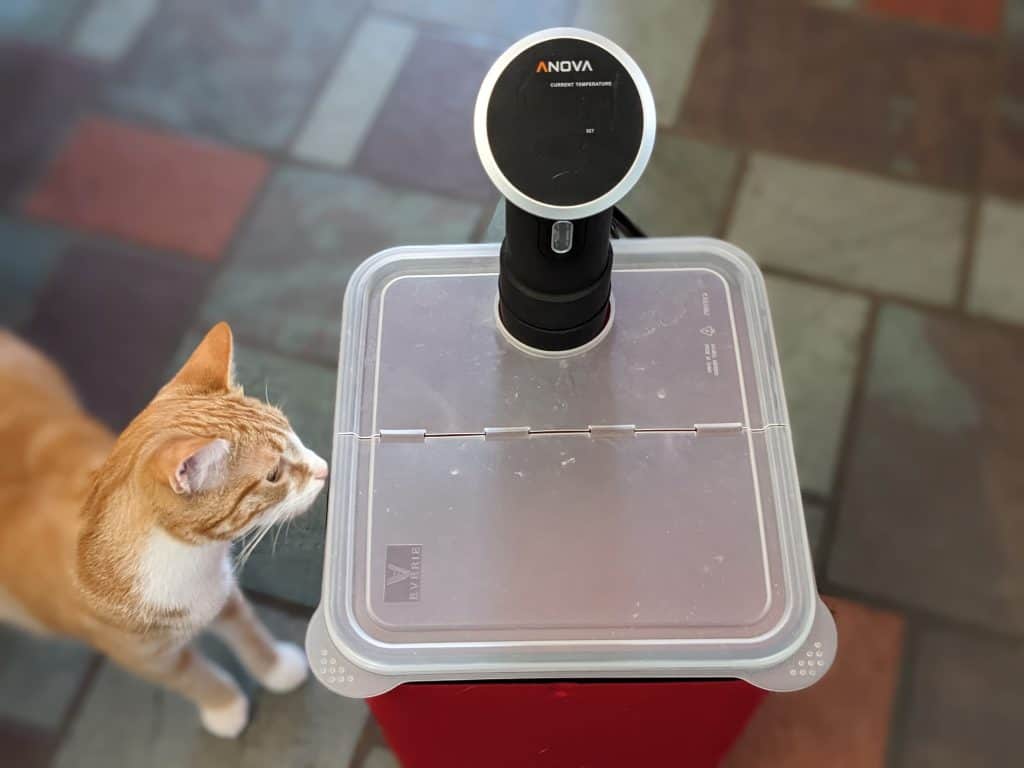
165 164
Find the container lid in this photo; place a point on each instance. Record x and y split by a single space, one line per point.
629 511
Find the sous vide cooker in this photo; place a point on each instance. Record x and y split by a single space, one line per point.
564 524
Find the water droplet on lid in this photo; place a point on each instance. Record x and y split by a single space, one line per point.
662 394
454 472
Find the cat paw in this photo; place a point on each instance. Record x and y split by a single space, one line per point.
289 671
227 721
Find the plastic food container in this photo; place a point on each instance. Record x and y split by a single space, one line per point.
597 558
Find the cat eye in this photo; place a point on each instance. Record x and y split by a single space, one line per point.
275 474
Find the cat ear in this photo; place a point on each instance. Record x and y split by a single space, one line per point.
211 367
192 464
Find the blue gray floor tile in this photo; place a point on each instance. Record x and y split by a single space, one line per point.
38 677
309 727
28 254
285 283
930 513
247 76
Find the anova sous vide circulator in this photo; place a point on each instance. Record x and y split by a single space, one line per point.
564 501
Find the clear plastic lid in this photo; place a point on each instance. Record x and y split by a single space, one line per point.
629 511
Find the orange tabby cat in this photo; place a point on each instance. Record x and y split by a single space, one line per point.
126 544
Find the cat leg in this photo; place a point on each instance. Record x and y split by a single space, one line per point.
279 666
223 708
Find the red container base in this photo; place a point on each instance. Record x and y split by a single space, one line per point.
680 724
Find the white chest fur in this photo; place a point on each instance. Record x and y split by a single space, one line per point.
196 579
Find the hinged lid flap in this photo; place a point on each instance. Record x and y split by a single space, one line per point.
675 356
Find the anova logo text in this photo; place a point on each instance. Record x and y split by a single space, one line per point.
564 66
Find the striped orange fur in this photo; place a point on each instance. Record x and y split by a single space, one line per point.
125 543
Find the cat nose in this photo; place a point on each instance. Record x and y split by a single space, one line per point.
320 470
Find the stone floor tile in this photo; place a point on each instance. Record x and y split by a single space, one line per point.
966 702
41 92
851 228
353 96
38 677
1004 172
247 75
28 254
664 36
930 514
26 747
149 187
977 16
1013 19
684 190
504 19
998 273
818 333
111 27
423 135
112 317
37 20
842 721
285 283
849 89
127 722
815 516
381 758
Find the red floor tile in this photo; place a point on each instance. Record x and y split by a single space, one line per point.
982 16
154 188
25 746
1004 173
843 721
844 89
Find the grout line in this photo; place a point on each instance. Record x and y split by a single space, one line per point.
921 305
78 699
278 603
317 92
902 699
814 497
480 228
847 441
66 39
923 616
971 229
724 223
370 738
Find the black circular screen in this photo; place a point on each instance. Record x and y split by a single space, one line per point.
564 122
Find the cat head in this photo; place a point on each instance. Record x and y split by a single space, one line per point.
214 463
